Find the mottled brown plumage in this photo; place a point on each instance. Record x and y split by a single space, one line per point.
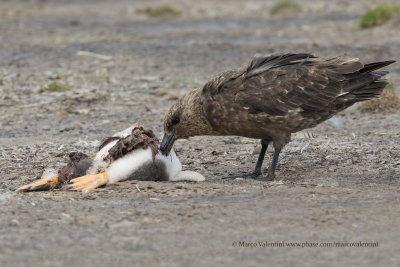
273 97
139 138
77 166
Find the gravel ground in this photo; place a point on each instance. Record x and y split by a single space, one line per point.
338 182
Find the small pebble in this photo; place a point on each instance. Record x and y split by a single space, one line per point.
182 186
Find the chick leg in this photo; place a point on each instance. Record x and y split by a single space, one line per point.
88 182
257 170
41 184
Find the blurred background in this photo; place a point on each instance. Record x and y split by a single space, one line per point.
120 52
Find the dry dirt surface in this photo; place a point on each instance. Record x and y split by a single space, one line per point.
336 183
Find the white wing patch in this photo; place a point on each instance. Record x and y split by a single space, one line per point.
123 167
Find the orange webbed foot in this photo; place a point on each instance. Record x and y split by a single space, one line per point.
88 182
41 184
